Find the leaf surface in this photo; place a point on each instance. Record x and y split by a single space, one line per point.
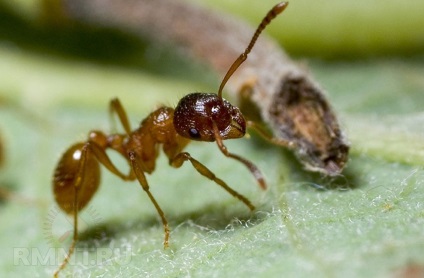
368 223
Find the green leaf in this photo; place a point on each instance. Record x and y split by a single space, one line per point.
367 223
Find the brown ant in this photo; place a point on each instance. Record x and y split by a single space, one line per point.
198 116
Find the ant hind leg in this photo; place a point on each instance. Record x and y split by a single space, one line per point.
81 178
78 182
74 238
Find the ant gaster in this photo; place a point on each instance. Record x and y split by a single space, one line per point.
198 116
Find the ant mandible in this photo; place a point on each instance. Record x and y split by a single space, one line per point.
198 116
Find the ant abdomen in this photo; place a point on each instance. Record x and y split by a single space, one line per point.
197 113
67 172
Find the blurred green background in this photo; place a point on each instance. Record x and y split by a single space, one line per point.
55 86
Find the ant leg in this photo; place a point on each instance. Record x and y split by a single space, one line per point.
257 174
180 158
74 238
78 180
264 134
103 158
144 184
89 151
115 107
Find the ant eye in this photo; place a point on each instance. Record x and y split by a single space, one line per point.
194 133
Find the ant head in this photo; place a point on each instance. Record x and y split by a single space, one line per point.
196 114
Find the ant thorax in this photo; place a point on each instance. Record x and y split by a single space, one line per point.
156 129
198 114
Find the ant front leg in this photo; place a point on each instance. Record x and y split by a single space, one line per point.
264 134
180 158
135 165
257 174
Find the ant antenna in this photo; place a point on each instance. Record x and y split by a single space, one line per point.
276 10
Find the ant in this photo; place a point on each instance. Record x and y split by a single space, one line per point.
198 116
